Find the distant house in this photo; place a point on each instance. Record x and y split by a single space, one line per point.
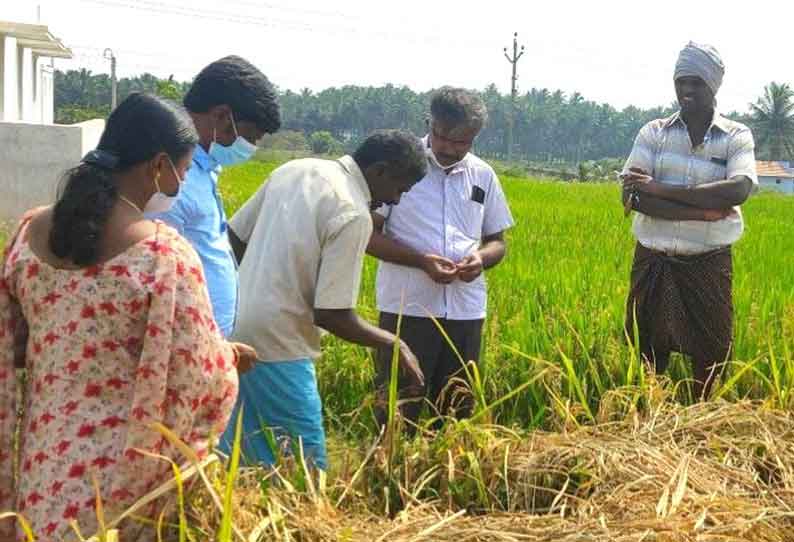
34 152
778 175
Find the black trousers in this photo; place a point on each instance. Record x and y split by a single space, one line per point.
438 362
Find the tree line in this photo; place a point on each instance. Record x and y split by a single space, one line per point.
550 126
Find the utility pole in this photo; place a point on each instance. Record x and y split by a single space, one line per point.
108 54
513 93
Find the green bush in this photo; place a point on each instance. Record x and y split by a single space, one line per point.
324 143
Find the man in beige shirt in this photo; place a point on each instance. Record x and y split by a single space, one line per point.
301 240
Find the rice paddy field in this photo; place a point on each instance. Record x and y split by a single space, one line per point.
572 438
557 303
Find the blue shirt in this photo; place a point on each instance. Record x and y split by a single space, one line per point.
199 217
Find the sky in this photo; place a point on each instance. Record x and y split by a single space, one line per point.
618 52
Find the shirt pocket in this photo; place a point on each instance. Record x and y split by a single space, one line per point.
472 213
718 168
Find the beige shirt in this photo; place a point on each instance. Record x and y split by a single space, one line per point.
306 229
663 148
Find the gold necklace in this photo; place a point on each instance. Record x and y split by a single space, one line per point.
130 203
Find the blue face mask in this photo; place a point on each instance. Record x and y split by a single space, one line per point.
238 152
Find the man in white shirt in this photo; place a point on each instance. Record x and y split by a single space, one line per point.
686 177
433 249
301 241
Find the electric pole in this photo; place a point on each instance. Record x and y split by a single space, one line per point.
513 93
108 54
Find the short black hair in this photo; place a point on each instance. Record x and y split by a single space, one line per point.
458 107
235 82
400 150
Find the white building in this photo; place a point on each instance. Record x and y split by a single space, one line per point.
34 152
777 175
27 53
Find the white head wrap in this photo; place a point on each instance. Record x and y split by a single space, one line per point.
700 60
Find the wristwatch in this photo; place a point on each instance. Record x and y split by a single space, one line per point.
631 201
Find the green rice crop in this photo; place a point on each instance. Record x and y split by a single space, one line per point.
557 304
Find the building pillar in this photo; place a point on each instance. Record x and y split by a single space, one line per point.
10 80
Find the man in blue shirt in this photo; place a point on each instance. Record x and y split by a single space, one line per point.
233 105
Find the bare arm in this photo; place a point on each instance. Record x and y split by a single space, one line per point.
493 250
237 246
440 269
640 193
713 195
651 205
347 325
20 337
389 250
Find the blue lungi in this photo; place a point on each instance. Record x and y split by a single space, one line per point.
281 396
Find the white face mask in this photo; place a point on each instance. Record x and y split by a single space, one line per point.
161 202
432 157
241 150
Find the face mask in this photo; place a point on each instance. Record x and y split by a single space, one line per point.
161 202
238 152
432 157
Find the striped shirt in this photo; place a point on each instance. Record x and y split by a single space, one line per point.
664 149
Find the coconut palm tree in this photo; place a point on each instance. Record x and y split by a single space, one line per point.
772 121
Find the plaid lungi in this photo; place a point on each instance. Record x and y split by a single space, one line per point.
682 303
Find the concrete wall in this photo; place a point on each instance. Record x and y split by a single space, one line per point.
33 157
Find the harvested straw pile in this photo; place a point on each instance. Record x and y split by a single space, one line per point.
710 472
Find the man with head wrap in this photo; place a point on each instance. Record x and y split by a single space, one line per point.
686 176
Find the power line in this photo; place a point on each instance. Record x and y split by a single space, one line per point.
175 63
131 52
167 9
296 10
96 56
157 4
258 20
95 61
267 6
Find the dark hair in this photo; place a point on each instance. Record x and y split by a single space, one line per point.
137 130
400 150
458 107
235 82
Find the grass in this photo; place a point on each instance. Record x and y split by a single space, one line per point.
557 303
572 439
713 471
576 433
